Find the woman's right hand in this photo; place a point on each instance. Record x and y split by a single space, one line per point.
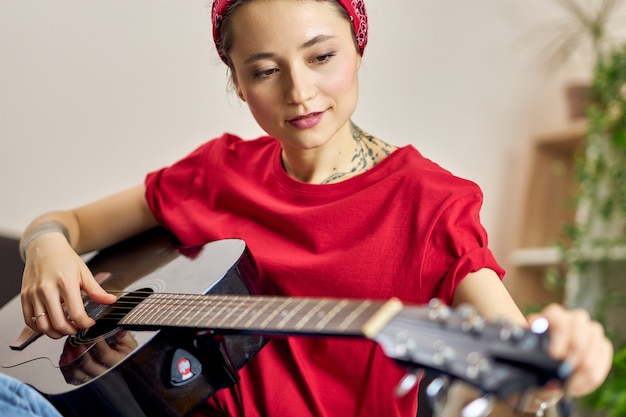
54 276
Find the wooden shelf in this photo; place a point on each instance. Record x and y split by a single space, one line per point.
536 257
566 139
551 186
549 206
612 254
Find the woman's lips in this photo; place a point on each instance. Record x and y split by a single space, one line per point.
306 121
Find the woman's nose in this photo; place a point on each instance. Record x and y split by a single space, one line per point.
300 86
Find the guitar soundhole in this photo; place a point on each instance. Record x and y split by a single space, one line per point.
108 316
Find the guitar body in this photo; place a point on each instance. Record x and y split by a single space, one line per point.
110 372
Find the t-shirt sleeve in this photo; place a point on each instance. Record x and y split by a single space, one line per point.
169 193
459 245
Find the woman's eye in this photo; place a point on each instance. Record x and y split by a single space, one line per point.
320 59
264 73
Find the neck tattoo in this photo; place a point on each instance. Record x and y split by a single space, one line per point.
368 152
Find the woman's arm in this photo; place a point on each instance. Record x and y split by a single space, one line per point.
54 273
103 222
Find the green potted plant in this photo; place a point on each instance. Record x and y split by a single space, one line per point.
595 252
599 233
586 28
586 32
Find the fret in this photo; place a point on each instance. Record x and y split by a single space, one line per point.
207 309
312 312
189 319
328 317
285 319
185 306
264 324
354 314
229 303
249 310
177 307
143 313
179 315
163 310
258 314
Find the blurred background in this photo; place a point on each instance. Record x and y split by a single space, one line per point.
95 94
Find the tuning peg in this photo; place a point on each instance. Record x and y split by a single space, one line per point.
510 331
540 326
474 323
480 407
466 311
477 365
408 382
443 354
438 311
472 320
437 391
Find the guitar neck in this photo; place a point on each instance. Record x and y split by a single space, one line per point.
264 314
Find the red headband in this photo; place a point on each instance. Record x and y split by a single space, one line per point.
354 8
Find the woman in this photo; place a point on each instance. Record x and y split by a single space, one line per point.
326 209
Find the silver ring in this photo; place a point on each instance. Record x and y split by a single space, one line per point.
34 318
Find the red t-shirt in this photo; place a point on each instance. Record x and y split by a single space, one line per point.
406 228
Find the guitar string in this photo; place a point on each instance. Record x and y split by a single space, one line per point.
129 302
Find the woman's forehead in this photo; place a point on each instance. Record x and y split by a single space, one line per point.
355 10
269 27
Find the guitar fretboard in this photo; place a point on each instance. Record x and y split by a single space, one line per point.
264 314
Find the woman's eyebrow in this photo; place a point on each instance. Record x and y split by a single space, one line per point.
313 41
258 56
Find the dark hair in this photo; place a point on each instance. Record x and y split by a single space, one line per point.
227 34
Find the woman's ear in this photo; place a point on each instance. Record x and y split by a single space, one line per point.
237 88
240 93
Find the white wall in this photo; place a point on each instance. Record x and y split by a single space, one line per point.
94 94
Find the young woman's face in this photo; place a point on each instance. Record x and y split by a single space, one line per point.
296 65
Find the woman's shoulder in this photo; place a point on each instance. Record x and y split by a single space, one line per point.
414 161
427 176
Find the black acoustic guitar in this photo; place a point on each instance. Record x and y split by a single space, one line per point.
184 323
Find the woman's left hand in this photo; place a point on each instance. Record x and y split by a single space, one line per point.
579 340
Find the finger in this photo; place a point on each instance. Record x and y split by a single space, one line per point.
74 300
577 339
93 289
75 305
35 315
580 341
28 312
42 324
56 318
593 363
561 329
32 308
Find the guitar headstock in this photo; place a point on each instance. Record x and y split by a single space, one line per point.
497 358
